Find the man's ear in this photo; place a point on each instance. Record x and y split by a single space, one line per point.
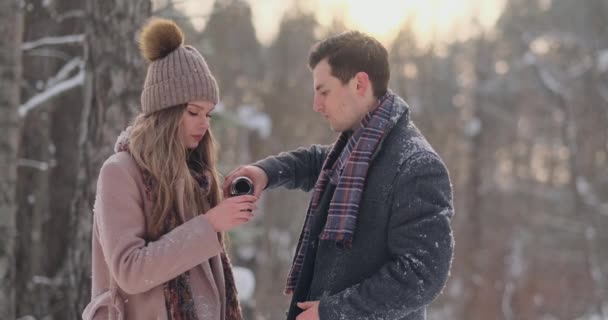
362 83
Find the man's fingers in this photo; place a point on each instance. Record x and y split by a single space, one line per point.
258 189
229 178
305 305
234 172
246 171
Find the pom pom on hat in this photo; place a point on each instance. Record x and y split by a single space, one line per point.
158 38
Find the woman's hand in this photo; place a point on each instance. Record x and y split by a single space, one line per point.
232 212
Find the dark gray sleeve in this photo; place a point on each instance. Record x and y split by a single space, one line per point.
295 169
420 243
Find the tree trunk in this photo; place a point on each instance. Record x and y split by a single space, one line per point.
115 74
46 172
471 246
32 295
11 28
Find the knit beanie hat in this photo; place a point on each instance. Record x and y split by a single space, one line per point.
177 74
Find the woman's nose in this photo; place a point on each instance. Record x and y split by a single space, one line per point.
205 123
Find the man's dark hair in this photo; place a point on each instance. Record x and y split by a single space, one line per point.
351 52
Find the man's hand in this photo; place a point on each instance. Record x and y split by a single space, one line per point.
311 310
256 174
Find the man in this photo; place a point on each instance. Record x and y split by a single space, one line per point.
377 242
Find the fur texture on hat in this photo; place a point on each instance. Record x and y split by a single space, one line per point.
158 38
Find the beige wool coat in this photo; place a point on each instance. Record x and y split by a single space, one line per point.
127 273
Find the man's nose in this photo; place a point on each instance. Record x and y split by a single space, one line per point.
317 105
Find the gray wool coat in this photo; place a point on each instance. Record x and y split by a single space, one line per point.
403 245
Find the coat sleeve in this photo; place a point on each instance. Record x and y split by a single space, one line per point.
420 244
298 169
138 266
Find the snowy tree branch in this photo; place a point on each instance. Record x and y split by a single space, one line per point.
59 17
49 52
63 73
74 38
39 165
46 281
69 14
51 92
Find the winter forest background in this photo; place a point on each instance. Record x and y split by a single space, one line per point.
515 101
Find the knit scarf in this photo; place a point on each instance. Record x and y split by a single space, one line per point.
179 301
350 156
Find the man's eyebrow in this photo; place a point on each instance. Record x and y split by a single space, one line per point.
318 87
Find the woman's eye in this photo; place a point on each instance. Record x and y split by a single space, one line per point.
193 113
209 115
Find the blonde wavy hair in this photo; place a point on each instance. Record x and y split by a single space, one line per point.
156 144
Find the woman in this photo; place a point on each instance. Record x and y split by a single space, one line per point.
159 215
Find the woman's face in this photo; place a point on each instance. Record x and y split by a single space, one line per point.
195 122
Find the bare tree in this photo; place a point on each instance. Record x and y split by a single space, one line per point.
11 28
114 76
232 50
52 92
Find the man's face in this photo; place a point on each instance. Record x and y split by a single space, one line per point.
337 102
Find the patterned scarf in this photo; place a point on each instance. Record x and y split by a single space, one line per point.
349 158
178 293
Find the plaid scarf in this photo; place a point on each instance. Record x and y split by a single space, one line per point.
349 160
179 301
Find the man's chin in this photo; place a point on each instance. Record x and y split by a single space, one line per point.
333 127
336 130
